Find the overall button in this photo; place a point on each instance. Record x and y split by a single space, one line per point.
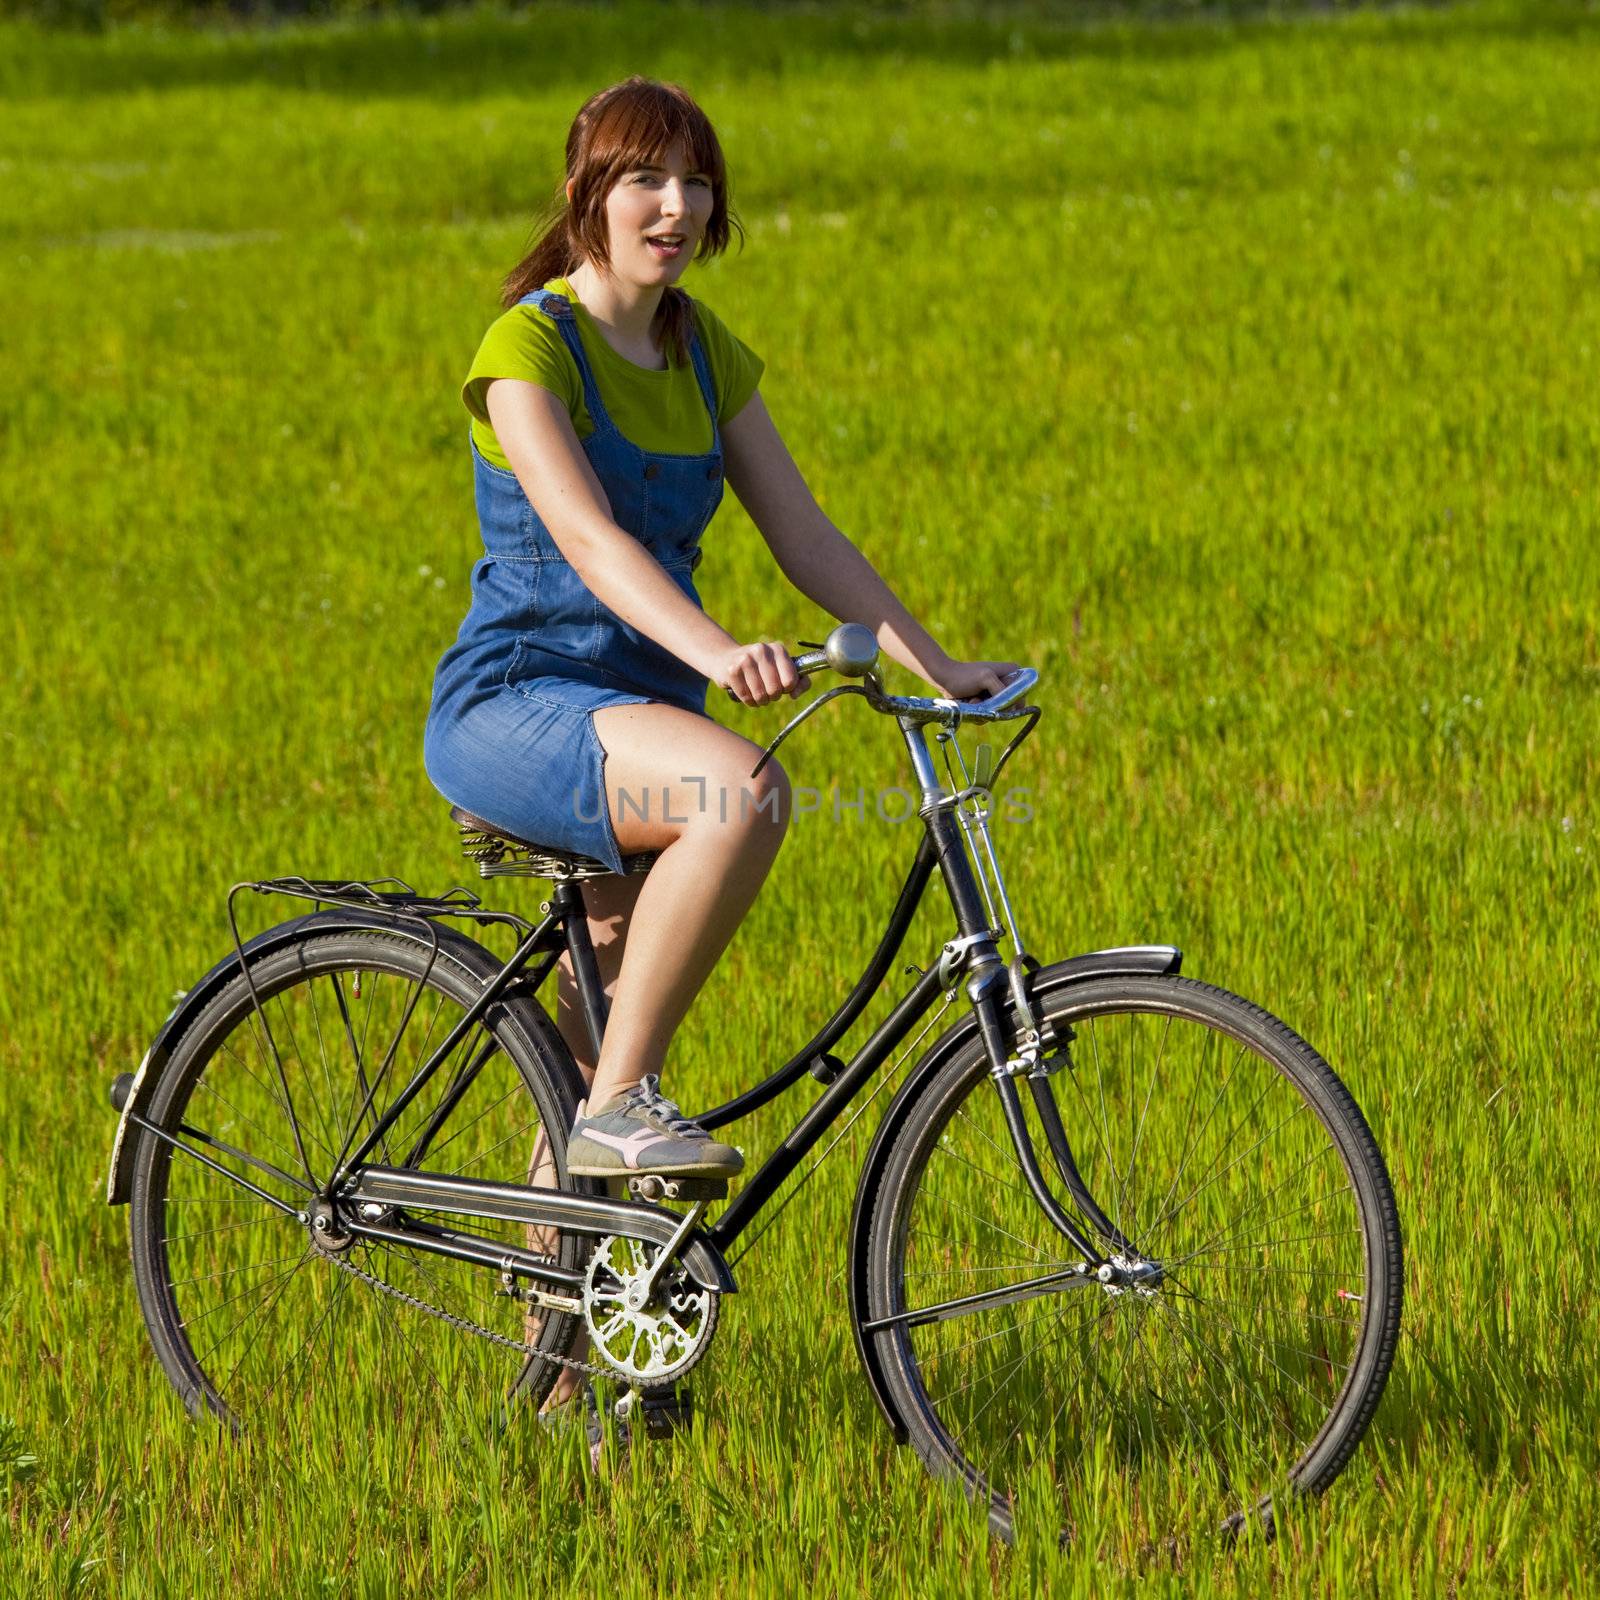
653 470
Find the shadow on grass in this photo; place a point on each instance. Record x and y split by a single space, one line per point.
492 51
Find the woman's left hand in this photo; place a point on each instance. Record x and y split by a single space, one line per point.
975 680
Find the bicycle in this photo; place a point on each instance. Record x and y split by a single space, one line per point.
1106 1203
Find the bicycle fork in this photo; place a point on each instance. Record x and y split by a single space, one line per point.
957 821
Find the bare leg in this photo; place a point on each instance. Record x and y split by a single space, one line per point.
677 783
680 783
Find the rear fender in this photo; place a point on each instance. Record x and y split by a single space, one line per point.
1139 959
471 955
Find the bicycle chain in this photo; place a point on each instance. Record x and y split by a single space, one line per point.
589 1369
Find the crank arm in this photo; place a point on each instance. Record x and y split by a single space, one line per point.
1077 1277
551 1208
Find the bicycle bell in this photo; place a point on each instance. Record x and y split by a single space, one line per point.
851 650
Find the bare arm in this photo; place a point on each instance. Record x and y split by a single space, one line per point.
824 565
537 436
536 433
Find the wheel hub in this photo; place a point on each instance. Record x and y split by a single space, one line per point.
326 1227
1132 1274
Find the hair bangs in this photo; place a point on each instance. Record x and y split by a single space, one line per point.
642 124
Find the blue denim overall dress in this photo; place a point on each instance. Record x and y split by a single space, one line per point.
510 733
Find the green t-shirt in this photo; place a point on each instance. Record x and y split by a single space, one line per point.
662 412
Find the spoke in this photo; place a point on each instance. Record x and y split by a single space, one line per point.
510 1094
1193 1144
1105 1122
484 1156
322 1056
1255 1205
1295 1272
1009 1368
962 1272
217 1095
229 1272
466 1073
1208 1359
299 1056
1096 1314
1239 1375
1005 1152
414 1357
335 1300
1071 1075
955 1155
1267 1244
984 1222
1216 1309
1011 1327
1188 1198
1138 1132
195 1321
276 1285
221 1227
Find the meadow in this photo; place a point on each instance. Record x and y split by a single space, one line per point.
1235 371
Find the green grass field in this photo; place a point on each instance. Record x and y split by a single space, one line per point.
1238 374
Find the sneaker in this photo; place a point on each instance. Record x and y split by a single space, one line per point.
643 1131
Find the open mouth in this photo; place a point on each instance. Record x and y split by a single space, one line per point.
668 246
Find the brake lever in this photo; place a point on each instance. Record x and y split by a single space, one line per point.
821 700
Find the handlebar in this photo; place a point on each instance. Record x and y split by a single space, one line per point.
852 651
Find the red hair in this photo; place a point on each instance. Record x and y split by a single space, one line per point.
630 125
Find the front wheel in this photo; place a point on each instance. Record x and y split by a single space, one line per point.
1242 1348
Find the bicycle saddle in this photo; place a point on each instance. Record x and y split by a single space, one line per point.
502 854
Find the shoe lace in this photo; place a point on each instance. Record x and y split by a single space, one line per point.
650 1102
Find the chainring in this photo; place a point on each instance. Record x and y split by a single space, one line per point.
647 1342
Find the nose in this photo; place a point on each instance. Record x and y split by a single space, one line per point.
674 198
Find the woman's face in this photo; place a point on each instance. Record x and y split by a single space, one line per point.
656 216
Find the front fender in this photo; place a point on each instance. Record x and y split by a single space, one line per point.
1139 959
473 956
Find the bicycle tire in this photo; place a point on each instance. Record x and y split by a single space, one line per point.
326 1336
1181 1431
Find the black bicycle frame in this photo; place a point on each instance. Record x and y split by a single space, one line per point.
372 1192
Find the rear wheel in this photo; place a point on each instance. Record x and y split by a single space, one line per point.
275 1324
1242 1347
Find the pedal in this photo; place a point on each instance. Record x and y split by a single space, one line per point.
655 1186
664 1412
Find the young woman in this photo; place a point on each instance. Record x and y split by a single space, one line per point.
607 408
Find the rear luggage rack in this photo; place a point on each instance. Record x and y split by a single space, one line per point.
390 896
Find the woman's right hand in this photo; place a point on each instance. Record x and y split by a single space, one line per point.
757 674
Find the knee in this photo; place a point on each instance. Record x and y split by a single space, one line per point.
767 799
733 800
